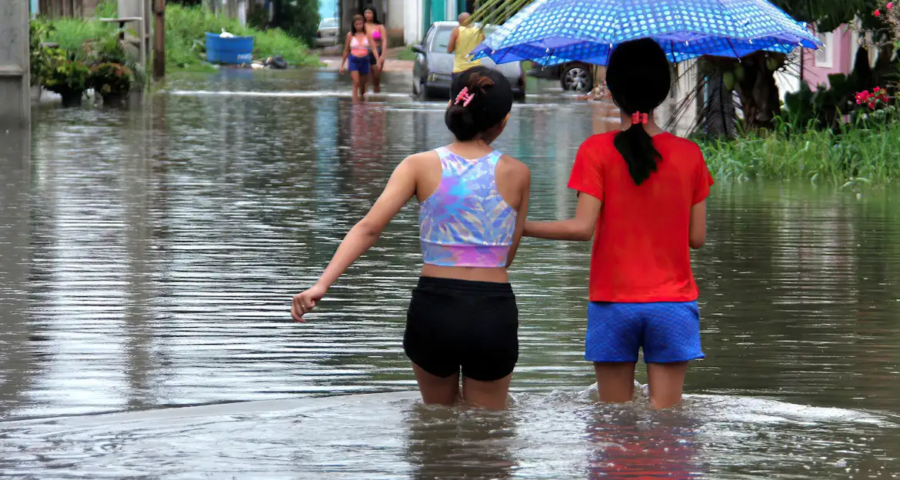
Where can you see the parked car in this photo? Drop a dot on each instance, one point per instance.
(327, 34)
(572, 76)
(433, 65)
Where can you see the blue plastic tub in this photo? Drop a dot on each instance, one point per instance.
(235, 50)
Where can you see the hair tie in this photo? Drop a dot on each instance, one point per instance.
(464, 97)
(639, 118)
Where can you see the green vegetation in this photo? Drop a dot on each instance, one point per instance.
(186, 29)
(847, 157)
(74, 34)
(406, 54)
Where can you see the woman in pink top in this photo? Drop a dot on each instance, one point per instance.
(379, 35)
(356, 51)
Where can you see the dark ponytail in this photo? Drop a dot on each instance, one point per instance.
(636, 147)
(486, 102)
(639, 80)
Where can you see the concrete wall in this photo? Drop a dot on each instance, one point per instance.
(413, 22)
(15, 78)
(395, 17)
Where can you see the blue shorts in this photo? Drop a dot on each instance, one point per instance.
(359, 64)
(668, 332)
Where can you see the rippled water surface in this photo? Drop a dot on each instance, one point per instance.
(147, 260)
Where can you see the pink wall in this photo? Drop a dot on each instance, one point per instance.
(841, 49)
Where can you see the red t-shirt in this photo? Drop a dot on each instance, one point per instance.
(641, 252)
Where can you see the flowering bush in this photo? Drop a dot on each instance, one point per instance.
(875, 99)
(67, 77)
(111, 79)
(891, 16)
(876, 108)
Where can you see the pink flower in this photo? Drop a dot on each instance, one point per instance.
(890, 6)
(877, 89)
(877, 13)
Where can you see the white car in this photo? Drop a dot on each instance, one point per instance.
(433, 65)
(327, 34)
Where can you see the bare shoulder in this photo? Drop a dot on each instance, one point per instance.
(418, 161)
(421, 158)
(510, 167)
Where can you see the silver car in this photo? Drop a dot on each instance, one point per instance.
(433, 65)
(327, 35)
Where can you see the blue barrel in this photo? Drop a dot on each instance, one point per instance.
(233, 50)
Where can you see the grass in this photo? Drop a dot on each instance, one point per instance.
(855, 156)
(406, 54)
(72, 34)
(186, 27)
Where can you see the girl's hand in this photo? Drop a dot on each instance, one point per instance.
(305, 302)
(341, 70)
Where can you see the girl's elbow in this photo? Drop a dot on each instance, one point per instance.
(368, 230)
(697, 243)
(584, 234)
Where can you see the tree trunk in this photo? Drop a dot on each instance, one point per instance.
(760, 100)
(159, 39)
(719, 118)
(884, 70)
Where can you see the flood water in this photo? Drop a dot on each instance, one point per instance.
(148, 258)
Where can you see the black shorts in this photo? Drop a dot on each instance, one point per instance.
(372, 60)
(453, 324)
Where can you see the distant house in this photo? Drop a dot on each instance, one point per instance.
(422, 13)
(406, 19)
(836, 56)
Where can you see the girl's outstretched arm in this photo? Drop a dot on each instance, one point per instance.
(580, 228)
(400, 188)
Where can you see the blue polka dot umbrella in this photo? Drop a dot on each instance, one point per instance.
(551, 32)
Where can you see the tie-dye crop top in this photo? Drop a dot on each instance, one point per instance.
(465, 222)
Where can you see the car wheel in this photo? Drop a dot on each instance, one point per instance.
(424, 91)
(576, 77)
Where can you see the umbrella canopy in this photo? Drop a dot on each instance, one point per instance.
(549, 32)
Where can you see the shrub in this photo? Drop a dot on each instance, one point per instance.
(111, 79)
(186, 29)
(67, 76)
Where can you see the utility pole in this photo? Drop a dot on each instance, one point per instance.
(159, 39)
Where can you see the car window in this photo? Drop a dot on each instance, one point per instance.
(441, 40)
(328, 23)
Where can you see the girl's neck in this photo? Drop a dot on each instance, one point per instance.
(651, 127)
(471, 149)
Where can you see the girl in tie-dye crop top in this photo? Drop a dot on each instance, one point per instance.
(462, 323)
(466, 222)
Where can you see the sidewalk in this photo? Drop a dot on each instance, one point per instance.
(332, 60)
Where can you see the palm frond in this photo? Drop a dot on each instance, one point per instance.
(497, 12)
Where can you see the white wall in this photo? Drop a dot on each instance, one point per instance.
(412, 22)
(395, 14)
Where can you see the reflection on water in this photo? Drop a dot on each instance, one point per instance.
(562, 435)
(147, 259)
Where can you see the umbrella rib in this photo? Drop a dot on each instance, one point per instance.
(728, 41)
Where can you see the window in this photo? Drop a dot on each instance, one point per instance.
(441, 39)
(825, 54)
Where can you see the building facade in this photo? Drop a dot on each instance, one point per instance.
(405, 19)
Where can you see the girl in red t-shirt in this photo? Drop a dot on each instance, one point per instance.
(643, 191)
